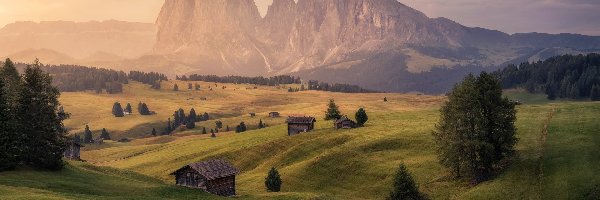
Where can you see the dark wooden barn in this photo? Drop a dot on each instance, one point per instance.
(73, 151)
(298, 125)
(344, 122)
(213, 176)
(274, 114)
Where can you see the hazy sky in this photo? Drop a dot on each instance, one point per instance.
(552, 16)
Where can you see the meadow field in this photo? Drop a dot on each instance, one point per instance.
(558, 154)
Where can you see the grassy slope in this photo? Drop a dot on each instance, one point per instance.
(84, 181)
(344, 164)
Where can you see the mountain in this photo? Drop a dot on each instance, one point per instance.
(46, 56)
(79, 39)
(377, 44)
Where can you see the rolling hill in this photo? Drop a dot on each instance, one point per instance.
(557, 150)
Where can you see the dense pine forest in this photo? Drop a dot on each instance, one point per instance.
(568, 76)
(75, 78)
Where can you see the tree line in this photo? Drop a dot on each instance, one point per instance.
(270, 81)
(336, 87)
(568, 76)
(31, 127)
(151, 78)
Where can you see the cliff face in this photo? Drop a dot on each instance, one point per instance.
(292, 36)
(372, 41)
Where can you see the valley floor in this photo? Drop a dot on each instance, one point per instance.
(558, 154)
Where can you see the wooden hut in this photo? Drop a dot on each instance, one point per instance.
(344, 122)
(213, 176)
(252, 114)
(274, 114)
(73, 151)
(298, 125)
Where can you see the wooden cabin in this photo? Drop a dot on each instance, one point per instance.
(73, 151)
(213, 176)
(252, 114)
(298, 125)
(274, 114)
(344, 123)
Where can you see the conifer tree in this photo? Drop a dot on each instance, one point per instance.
(87, 135)
(44, 133)
(169, 127)
(204, 130)
(9, 145)
(595, 93)
(404, 186)
(273, 181)
(384, 99)
(190, 125)
(175, 87)
(128, 108)
(227, 129)
(153, 132)
(219, 124)
(260, 124)
(333, 112)
(105, 135)
(117, 110)
(12, 82)
(476, 128)
(192, 117)
(361, 117)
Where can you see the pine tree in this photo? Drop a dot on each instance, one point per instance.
(361, 117)
(404, 186)
(117, 110)
(153, 132)
(476, 128)
(175, 87)
(332, 111)
(87, 135)
(192, 116)
(204, 130)
(273, 181)
(384, 99)
(169, 127)
(9, 139)
(190, 125)
(105, 135)
(12, 82)
(227, 129)
(219, 124)
(43, 131)
(128, 108)
(260, 124)
(595, 93)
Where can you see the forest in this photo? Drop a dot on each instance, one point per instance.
(567, 77)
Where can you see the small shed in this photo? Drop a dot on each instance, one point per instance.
(213, 176)
(344, 123)
(252, 114)
(298, 125)
(274, 114)
(73, 151)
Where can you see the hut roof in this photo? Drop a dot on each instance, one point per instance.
(300, 120)
(213, 169)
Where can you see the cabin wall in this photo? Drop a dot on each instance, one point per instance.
(190, 178)
(222, 186)
(294, 129)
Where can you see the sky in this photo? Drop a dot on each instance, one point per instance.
(511, 16)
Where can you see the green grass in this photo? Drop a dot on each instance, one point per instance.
(326, 163)
(84, 181)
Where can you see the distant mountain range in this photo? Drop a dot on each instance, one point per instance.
(377, 44)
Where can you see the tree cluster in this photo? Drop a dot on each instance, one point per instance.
(32, 132)
(151, 78)
(476, 128)
(240, 128)
(270, 81)
(568, 76)
(181, 120)
(337, 87)
(143, 109)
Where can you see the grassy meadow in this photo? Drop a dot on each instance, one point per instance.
(558, 154)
